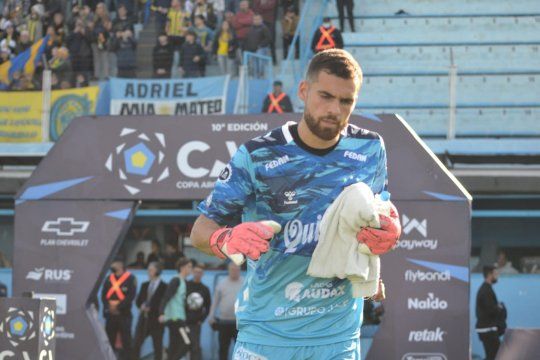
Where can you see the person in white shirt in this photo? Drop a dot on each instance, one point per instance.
(503, 265)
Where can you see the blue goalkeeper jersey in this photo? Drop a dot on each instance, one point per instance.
(277, 177)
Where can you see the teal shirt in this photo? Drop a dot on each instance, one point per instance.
(176, 308)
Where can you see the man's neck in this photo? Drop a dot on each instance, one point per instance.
(311, 139)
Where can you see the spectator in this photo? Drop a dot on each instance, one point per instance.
(124, 45)
(139, 261)
(60, 28)
(258, 38)
(155, 253)
(117, 295)
(289, 23)
(326, 37)
(176, 28)
(219, 9)
(223, 303)
(9, 41)
(65, 84)
(60, 64)
(81, 80)
(161, 10)
(488, 312)
(128, 5)
(198, 306)
(171, 256)
(277, 101)
(192, 57)
(162, 60)
(34, 23)
(225, 48)
(148, 301)
(173, 312)
(242, 22)
(100, 47)
(80, 48)
(205, 35)
(349, 4)
(23, 43)
(503, 265)
(122, 21)
(268, 10)
(205, 10)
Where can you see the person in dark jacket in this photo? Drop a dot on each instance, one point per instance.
(258, 38)
(341, 5)
(277, 101)
(149, 301)
(173, 312)
(124, 45)
(117, 295)
(198, 306)
(327, 36)
(80, 47)
(162, 58)
(488, 310)
(123, 21)
(192, 57)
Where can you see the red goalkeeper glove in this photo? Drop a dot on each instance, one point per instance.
(381, 241)
(249, 239)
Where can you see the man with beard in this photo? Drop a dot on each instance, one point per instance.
(287, 179)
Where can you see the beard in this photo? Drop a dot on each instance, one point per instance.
(319, 130)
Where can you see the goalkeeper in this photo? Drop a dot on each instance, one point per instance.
(267, 205)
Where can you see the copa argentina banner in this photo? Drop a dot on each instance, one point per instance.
(195, 96)
(21, 112)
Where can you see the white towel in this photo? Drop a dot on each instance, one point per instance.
(338, 253)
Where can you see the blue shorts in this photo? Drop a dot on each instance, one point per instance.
(346, 350)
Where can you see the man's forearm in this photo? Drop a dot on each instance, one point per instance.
(201, 232)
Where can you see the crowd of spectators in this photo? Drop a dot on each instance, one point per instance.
(90, 40)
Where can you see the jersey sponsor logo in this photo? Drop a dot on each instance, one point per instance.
(355, 156)
(429, 303)
(296, 292)
(297, 233)
(276, 162)
(421, 276)
(297, 311)
(244, 354)
(427, 335)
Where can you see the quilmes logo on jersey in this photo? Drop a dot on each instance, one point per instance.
(65, 226)
(295, 291)
(430, 303)
(413, 227)
(49, 275)
(297, 234)
(138, 160)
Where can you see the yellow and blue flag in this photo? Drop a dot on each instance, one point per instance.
(25, 62)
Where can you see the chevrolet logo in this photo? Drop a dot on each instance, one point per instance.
(65, 226)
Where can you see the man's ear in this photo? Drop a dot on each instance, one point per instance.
(302, 90)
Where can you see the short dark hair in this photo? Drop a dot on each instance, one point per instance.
(199, 265)
(183, 261)
(336, 62)
(488, 269)
(157, 265)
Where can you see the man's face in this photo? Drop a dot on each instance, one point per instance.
(198, 273)
(257, 20)
(244, 6)
(162, 41)
(501, 260)
(190, 39)
(122, 12)
(186, 269)
(277, 89)
(494, 276)
(329, 101)
(152, 271)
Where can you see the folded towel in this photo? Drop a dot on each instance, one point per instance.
(338, 253)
